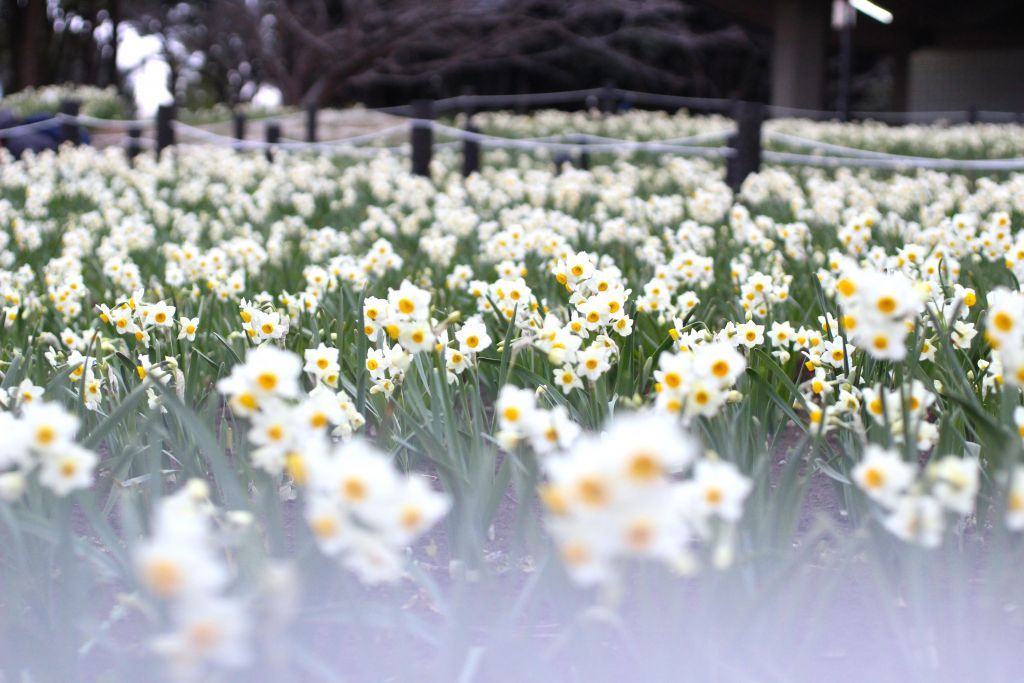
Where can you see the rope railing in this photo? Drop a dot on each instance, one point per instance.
(895, 162)
(841, 150)
(740, 146)
(347, 145)
(678, 101)
(610, 95)
(96, 122)
(26, 128)
(582, 143)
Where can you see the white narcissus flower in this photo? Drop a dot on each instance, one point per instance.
(883, 474)
(567, 379)
(15, 447)
(514, 408)
(455, 360)
(210, 630)
(26, 392)
(67, 469)
(187, 328)
(721, 488)
(473, 337)
(175, 567)
(416, 336)
(49, 426)
(414, 508)
(552, 430)
(321, 361)
(955, 482)
(1015, 500)
(917, 519)
(267, 373)
(593, 362)
(12, 485)
(750, 334)
(1018, 419)
(159, 314)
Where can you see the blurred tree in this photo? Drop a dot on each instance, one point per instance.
(207, 46)
(53, 41)
(383, 51)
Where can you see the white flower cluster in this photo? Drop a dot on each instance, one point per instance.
(182, 565)
(403, 317)
(916, 505)
(287, 422)
(136, 318)
(40, 437)
(697, 382)
(879, 311)
(1004, 330)
(362, 510)
(620, 495)
(521, 419)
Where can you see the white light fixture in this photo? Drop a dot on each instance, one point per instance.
(869, 8)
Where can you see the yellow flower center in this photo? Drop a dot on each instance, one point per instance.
(45, 435)
(644, 467)
(164, 577)
(1002, 321)
(592, 491)
(354, 489)
(873, 478)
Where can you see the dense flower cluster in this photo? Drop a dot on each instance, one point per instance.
(621, 495)
(40, 437)
(915, 505)
(181, 564)
(351, 352)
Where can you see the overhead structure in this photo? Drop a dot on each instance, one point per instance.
(940, 54)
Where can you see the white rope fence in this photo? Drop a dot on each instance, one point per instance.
(897, 163)
(583, 143)
(809, 143)
(709, 144)
(26, 129)
(843, 156)
(346, 145)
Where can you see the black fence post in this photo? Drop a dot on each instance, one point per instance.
(164, 127)
(311, 116)
(273, 137)
(467, 100)
(972, 114)
(746, 144)
(561, 159)
(522, 106)
(607, 99)
(70, 131)
(422, 136)
(470, 151)
(240, 129)
(134, 142)
(583, 161)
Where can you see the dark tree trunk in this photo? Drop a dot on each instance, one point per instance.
(27, 22)
(113, 76)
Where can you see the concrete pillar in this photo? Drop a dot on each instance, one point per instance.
(798, 55)
(900, 97)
